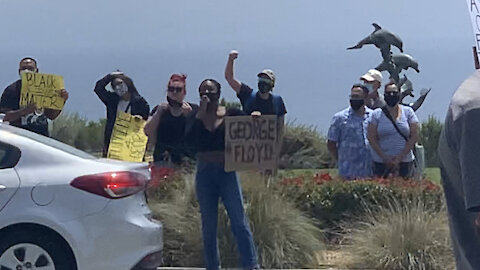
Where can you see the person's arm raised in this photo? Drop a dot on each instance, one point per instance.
(153, 121)
(229, 73)
(100, 90)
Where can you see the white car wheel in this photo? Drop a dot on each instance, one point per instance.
(26, 256)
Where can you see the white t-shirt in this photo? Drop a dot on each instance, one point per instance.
(124, 106)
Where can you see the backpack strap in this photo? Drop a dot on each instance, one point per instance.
(387, 113)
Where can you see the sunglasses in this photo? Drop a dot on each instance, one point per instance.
(174, 89)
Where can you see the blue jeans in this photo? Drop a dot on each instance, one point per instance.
(212, 183)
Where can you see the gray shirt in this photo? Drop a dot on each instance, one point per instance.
(390, 141)
(459, 150)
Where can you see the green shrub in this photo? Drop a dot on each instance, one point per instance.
(303, 148)
(429, 136)
(330, 201)
(77, 131)
(285, 237)
(400, 236)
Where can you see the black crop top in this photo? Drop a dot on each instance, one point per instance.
(200, 139)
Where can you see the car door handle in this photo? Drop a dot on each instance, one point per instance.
(2, 187)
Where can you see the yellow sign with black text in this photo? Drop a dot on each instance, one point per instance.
(128, 141)
(43, 90)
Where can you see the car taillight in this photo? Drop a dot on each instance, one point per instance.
(111, 185)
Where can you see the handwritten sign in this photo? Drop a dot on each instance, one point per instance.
(250, 142)
(43, 90)
(474, 10)
(128, 141)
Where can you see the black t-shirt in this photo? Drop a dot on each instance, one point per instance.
(10, 101)
(171, 134)
(251, 101)
(199, 139)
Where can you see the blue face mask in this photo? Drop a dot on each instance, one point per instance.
(369, 86)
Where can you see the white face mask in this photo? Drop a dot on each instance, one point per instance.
(121, 89)
(25, 71)
(369, 86)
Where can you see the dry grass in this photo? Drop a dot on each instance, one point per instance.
(403, 236)
(285, 237)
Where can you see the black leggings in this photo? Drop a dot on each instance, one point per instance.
(380, 170)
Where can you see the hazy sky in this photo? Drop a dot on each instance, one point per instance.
(303, 41)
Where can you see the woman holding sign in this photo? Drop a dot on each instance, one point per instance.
(207, 139)
(124, 97)
(167, 126)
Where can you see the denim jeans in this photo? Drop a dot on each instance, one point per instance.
(212, 183)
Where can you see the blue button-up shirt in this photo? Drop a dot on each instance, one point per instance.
(349, 131)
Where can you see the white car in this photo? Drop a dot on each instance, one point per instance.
(63, 209)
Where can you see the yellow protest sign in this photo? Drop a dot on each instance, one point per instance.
(42, 89)
(128, 141)
(251, 143)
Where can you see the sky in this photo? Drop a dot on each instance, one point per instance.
(303, 41)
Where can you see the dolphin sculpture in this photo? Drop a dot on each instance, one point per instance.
(406, 87)
(398, 63)
(417, 103)
(382, 39)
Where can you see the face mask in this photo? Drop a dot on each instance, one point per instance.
(173, 103)
(121, 89)
(26, 71)
(392, 100)
(356, 104)
(369, 86)
(264, 87)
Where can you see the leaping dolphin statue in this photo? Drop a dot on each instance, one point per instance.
(398, 63)
(382, 39)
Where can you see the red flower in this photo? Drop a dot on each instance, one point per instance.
(321, 178)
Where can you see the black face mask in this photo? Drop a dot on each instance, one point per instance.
(356, 104)
(174, 103)
(392, 100)
(264, 87)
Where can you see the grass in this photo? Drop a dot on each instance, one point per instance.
(401, 236)
(285, 236)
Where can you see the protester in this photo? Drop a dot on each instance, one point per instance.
(373, 81)
(391, 143)
(261, 102)
(125, 98)
(459, 147)
(167, 126)
(347, 137)
(207, 139)
(29, 117)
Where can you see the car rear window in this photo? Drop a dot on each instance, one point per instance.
(9, 156)
(46, 140)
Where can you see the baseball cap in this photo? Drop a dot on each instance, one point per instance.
(269, 73)
(373, 75)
